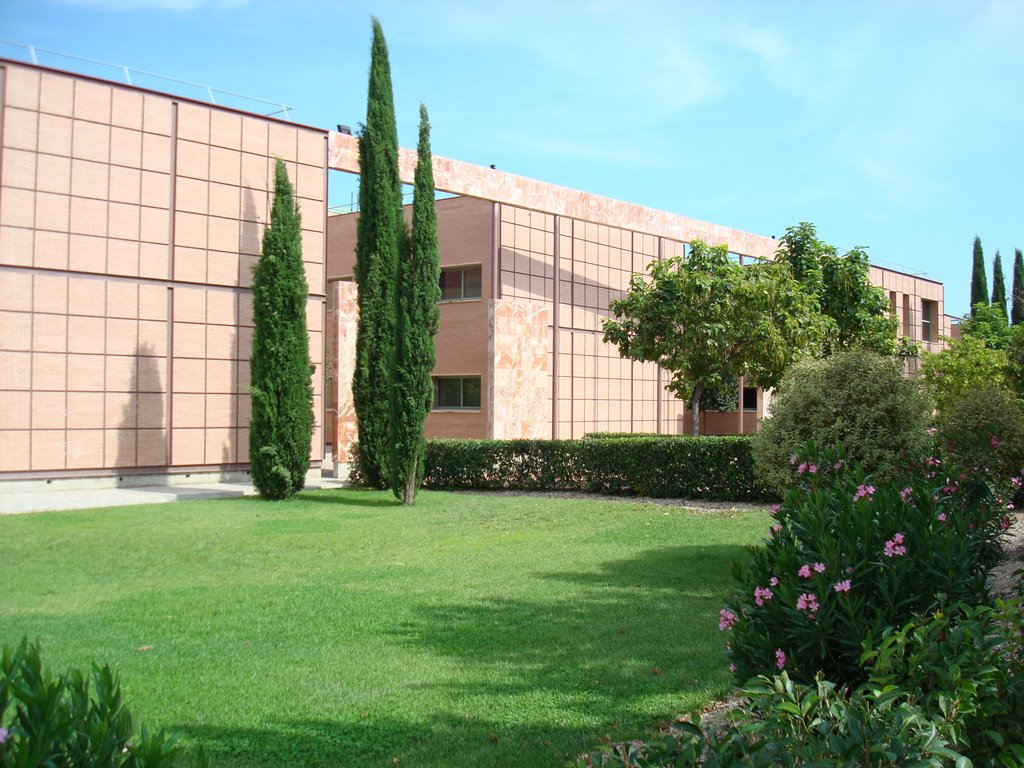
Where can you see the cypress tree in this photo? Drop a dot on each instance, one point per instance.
(998, 284)
(379, 232)
(979, 284)
(281, 426)
(417, 317)
(1017, 299)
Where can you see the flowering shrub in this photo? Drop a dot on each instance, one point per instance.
(75, 719)
(847, 557)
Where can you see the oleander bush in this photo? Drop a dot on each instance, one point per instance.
(848, 556)
(856, 401)
(73, 720)
(716, 468)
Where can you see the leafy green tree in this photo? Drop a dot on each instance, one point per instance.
(1017, 298)
(708, 321)
(999, 285)
(857, 312)
(979, 283)
(988, 323)
(281, 427)
(965, 365)
(418, 316)
(379, 234)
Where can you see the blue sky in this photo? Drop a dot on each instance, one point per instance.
(894, 125)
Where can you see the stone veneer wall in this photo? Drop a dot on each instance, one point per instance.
(520, 350)
(129, 225)
(342, 322)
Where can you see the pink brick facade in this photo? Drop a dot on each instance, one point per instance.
(129, 225)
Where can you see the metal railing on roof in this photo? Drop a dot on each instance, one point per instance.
(207, 92)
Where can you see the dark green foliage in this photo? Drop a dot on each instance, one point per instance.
(856, 400)
(78, 719)
(857, 312)
(849, 556)
(983, 429)
(418, 317)
(979, 282)
(380, 233)
(999, 285)
(966, 665)
(281, 428)
(1017, 298)
(718, 468)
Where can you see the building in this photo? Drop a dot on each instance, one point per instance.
(129, 223)
(528, 272)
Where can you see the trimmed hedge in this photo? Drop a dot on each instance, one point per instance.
(713, 468)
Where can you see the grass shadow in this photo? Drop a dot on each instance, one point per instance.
(345, 500)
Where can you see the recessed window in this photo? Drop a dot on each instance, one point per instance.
(750, 398)
(929, 315)
(456, 392)
(460, 283)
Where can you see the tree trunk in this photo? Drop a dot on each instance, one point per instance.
(698, 391)
(410, 484)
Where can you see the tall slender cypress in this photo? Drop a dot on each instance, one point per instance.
(1017, 298)
(998, 284)
(418, 317)
(979, 283)
(379, 233)
(281, 426)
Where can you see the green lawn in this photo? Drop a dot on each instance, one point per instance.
(339, 629)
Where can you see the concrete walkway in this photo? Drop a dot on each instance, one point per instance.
(44, 499)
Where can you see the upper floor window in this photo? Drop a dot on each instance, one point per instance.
(460, 283)
(929, 316)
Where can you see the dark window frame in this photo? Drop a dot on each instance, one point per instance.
(462, 282)
(462, 396)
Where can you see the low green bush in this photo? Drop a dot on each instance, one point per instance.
(78, 719)
(858, 401)
(944, 690)
(848, 556)
(717, 468)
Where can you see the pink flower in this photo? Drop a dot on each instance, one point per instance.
(1016, 482)
(949, 489)
(931, 430)
(812, 469)
(894, 546)
(1004, 524)
(776, 528)
(774, 510)
(732, 667)
(794, 459)
(994, 442)
(1010, 505)
(773, 581)
(842, 586)
(802, 468)
(761, 595)
(819, 567)
(726, 619)
(838, 465)
(941, 517)
(863, 491)
(4, 734)
(804, 572)
(780, 658)
(807, 601)
(905, 493)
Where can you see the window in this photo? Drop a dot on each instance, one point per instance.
(456, 392)
(928, 317)
(750, 398)
(460, 283)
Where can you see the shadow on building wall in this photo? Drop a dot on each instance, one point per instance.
(142, 434)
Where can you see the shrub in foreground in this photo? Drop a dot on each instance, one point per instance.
(718, 468)
(848, 557)
(75, 719)
(857, 401)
